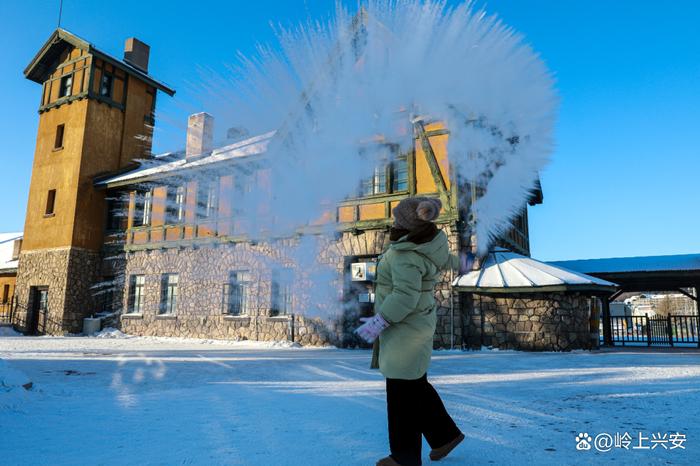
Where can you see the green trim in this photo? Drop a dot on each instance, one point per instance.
(105, 100)
(380, 224)
(373, 199)
(63, 100)
(437, 132)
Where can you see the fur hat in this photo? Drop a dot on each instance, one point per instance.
(414, 212)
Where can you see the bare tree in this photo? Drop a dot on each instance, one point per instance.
(664, 306)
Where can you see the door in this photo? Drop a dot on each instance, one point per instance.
(39, 307)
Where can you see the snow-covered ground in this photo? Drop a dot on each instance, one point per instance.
(175, 401)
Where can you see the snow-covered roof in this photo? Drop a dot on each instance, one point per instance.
(7, 246)
(164, 164)
(634, 264)
(505, 271)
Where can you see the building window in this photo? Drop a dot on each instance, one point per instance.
(5, 293)
(176, 205)
(236, 293)
(58, 142)
(106, 85)
(168, 293)
(376, 184)
(147, 206)
(66, 86)
(143, 208)
(391, 176)
(136, 293)
(399, 174)
(207, 199)
(50, 202)
(281, 292)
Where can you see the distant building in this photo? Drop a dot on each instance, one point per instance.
(10, 245)
(653, 304)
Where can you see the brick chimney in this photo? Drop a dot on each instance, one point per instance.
(200, 134)
(136, 53)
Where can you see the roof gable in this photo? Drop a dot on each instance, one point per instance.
(43, 62)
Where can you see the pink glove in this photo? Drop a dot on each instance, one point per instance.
(371, 328)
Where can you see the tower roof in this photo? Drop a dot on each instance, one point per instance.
(41, 64)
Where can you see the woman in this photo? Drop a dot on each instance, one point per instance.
(404, 321)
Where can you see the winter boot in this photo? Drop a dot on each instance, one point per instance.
(388, 461)
(439, 453)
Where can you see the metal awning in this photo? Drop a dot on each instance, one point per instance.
(505, 271)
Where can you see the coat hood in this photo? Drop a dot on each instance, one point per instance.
(436, 249)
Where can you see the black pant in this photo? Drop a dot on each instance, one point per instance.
(414, 408)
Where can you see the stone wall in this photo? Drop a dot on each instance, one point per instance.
(538, 321)
(321, 315)
(68, 273)
(202, 278)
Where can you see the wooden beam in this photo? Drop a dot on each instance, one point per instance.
(432, 161)
(685, 293)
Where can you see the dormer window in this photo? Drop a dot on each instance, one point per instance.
(106, 85)
(66, 86)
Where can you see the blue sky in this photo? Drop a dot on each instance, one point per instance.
(623, 180)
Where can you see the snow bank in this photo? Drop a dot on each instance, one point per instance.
(111, 332)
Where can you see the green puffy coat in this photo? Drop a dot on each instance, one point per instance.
(405, 297)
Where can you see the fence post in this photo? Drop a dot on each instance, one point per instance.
(607, 324)
(669, 329)
(648, 324)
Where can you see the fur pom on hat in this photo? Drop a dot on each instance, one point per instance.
(414, 212)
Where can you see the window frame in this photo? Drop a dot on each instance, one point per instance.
(208, 200)
(169, 293)
(389, 178)
(65, 87)
(59, 137)
(137, 282)
(281, 294)
(239, 288)
(50, 209)
(143, 208)
(110, 83)
(175, 205)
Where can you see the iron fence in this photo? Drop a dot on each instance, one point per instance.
(668, 330)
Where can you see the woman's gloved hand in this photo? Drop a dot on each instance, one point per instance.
(371, 328)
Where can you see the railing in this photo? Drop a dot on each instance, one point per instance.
(7, 311)
(670, 330)
(15, 314)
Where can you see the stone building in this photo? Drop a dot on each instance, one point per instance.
(10, 245)
(158, 247)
